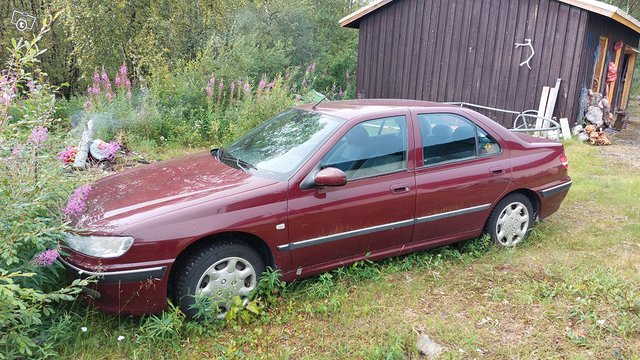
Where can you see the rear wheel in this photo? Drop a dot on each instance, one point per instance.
(511, 220)
(211, 276)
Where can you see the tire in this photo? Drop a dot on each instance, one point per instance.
(216, 273)
(511, 220)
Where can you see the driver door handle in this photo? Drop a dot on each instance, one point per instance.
(399, 189)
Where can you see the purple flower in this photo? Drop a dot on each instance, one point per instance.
(104, 77)
(261, 86)
(67, 155)
(221, 85)
(212, 81)
(311, 68)
(123, 70)
(127, 83)
(129, 93)
(31, 85)
(17, 150)
(38, 136)
(246, 87)
(111, 150)
(232, 87)
(76, 204)
(93, 90)
(96, 77)
(118, 81)
(46, 258)
(209, 91)
(271, 85)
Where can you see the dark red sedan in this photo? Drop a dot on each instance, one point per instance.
(310, 190)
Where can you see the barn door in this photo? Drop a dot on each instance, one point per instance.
(628, 66)
(596, 83)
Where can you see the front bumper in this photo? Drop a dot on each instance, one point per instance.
(133, 292)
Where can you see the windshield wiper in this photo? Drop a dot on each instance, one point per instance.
(241, 164)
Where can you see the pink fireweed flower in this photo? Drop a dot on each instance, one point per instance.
(118, 81)
(31, 85)
(261, 86)
(209, 91)
(96, 77)
(111, 150)
(38, 136)
(212, 81)
(93, 90)
(311, 68)
(127, 84)
(246, 87)
(104, 77)
(46, 258)
(17, 150)
(232, 87)
(123, 70)
(221, 85)
(77, 201)
(129, 93)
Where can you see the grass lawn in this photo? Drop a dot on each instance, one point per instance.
(571, 291)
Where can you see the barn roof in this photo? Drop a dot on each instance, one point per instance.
(598, 7)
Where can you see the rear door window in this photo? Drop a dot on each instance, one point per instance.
(450, 137)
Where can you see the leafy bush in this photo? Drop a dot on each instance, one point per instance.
(30, 218)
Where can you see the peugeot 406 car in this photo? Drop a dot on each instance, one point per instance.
(312, 189)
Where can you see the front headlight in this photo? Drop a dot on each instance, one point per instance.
(99, 246)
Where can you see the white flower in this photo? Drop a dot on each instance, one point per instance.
(84, 329)
(120, 338)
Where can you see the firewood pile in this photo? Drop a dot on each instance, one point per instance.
(597, 119)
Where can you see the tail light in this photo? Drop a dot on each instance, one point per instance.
(564, 160)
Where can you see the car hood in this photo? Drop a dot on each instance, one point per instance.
(131, 196)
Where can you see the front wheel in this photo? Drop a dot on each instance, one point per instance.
(213, 275)
(511, 220)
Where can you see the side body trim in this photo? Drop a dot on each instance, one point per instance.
(377, 228)
(556, 189)
(453, 213)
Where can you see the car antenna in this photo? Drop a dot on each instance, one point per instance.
(318, 103)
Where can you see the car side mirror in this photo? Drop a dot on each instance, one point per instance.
(331, 177)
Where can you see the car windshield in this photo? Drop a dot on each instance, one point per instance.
(278, 147)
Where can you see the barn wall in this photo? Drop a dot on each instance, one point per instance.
(598, 26)
(463, 50)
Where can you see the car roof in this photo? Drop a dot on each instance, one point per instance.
(349, 109)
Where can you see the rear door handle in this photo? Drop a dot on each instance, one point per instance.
(497, 170)
(399, 189)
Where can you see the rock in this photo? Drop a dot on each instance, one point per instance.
(594, 115)
(428, 347)
(583, 137)
(577, 130)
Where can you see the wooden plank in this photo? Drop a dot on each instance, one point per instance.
(472, 54)
(515, 72)
(626, 92)
(463, 51)
(482, 40)
(490, 55)
(430, 57)
(455, 53)
(566, 130)
(544, 98)
(569, 51)
(414, 22)
(392, 59)
(424, 49)
(404, 55)
(439, 46)
(551, 105)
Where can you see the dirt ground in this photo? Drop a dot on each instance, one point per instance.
(625, 145)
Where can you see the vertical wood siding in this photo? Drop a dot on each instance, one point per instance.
(464, 50)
